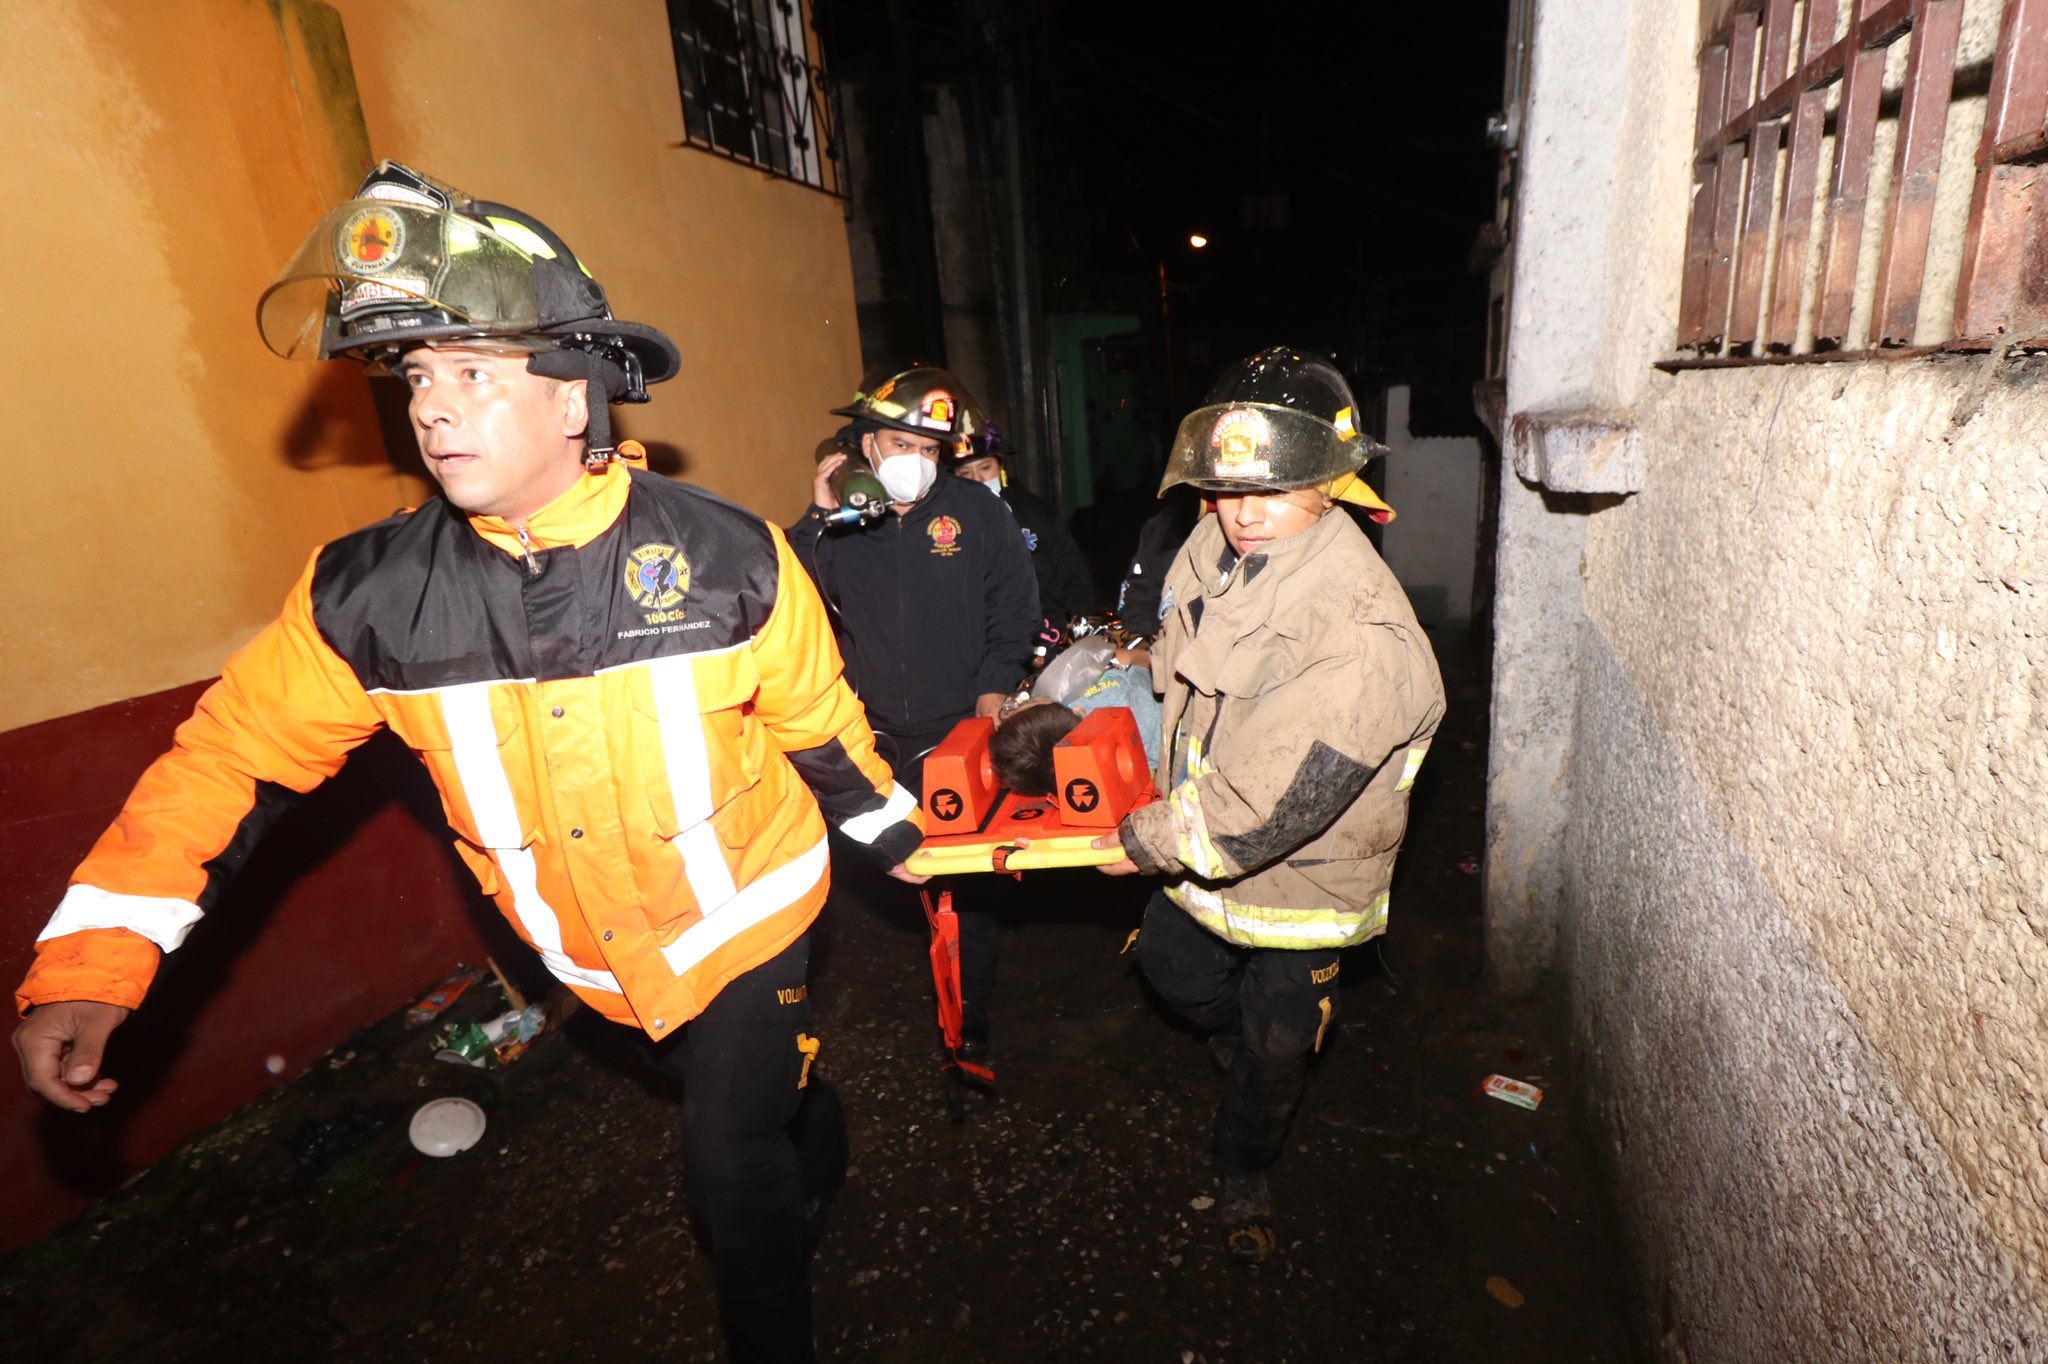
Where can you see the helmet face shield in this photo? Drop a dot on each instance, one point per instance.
(1244, 446)
(375, 270)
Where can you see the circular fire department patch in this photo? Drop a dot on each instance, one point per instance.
(657, 576)
(1241, 437)
(944, 530)
(370, 239)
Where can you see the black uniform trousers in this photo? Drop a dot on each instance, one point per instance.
(764, 1143)
(905, 755)
(1268, 1005)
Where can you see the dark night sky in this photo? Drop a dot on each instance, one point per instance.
(1357, 130)
(1333, 151)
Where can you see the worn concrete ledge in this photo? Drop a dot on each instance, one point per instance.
(1576, 452)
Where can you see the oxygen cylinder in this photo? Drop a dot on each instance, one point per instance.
(859, 491)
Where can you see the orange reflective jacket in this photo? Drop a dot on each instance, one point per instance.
(634, 713)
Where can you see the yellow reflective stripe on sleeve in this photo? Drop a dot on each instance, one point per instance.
(1416, 753)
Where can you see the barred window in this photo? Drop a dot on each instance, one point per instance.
(1867, 177)
(754, 87)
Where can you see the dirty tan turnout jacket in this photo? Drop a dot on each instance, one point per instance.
(1300, 697)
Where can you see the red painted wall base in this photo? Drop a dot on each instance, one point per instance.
(351, 907)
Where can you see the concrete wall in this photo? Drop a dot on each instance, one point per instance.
(1807, 858)
(1433, 485)
(1598, 241)
(1771, 770)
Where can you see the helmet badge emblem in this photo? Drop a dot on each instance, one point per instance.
(1241, 437)
(371, 238)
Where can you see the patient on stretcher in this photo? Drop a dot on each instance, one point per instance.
(1087, 677)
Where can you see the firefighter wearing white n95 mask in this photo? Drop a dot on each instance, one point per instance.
(936, 602)
(905, 424)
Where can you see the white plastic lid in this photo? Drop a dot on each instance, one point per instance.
(444, 1126)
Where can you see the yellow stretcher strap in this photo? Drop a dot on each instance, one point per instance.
(1071, 850)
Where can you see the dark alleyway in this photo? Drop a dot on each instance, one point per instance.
(1059, 1220)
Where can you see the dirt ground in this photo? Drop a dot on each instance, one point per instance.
(1064, 1216)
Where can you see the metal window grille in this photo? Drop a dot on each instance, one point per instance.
(754, 88)
(1776, 262)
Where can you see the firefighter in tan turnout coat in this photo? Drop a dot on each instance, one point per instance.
(1300, 697)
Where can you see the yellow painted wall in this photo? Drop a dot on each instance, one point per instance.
(167, 475)
(568, 112)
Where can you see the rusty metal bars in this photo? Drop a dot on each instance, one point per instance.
(1753, 112)
(2001, 288)
(1848, 186)
(1764, 142)
(1808, 121)
(1909, 214)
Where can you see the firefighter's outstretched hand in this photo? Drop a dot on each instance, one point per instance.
(61, 1046)
(989, 704)
(1123, 868)
(900, 874)
(821, 484)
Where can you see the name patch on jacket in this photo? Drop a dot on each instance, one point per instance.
(945, 533)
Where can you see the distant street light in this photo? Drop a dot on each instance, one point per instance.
(1197, 240)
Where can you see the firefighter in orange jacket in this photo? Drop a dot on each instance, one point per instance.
(626, 690)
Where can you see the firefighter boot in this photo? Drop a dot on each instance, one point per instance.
(1247, 1211)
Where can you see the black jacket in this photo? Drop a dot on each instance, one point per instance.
(933, 607)
(1159, 539)
(1065, 589)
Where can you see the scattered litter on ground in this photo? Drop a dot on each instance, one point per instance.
(495, 1042)
(512, 995)
(1507, 1294)
(1202, 1204)
(444, 1127)
(1517, 1092)
(441, 996)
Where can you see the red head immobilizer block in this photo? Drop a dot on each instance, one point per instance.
(960, 780)
(1100, 768)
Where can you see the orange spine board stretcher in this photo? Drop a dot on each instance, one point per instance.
(974, 824)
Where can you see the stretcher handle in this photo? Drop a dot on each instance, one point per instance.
(1042, 854)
